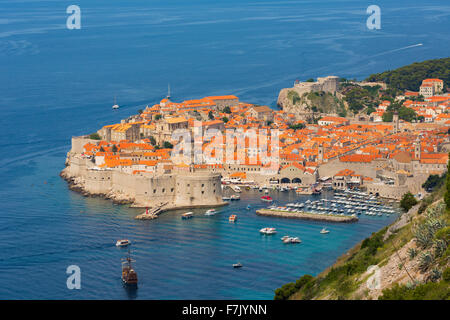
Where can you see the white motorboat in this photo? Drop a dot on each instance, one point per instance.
(123, 243)
(268, 231)
(210, 212)
(324, 231)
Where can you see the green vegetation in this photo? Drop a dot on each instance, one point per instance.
(158, 116)
(225, 119)
(114, 148)
(293, 96)
(167, 145)
(297, 126)
(410, 77)
(426, 291)
(359, 98)
(95, 136)
(434, 181)
(227, 110)
(210, 115)
(408, 201)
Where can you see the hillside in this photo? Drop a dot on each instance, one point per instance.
(412, 257)
(410, 77)
(321, 102)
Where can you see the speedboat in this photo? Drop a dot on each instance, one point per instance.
(266, 198)
(268, 231)
(235, 197)
(237, 265)
(232, 218)
(187, 215)
(248, 207)
(123, 243)
(324, 231)
(210, 212)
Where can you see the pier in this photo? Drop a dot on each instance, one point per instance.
(306, 215)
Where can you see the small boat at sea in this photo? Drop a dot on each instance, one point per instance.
(248, 207)
(237, 265)
(210, 212)
(115, 106)
(324, 231)
(292, 240)
(123, 243)
(268, 231)
(232, 218)
(226, 198)
(266, 198)
(187, 215)
(266, 191)
(235, 197)
(129, 275)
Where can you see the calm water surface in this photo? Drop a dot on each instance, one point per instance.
(55, 83)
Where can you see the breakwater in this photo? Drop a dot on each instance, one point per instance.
(306, 215)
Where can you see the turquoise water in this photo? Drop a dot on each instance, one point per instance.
(55, 83)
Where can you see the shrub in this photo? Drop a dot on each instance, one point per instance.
(412, 252)
(425, 261)
(95, 136)
(408, 201)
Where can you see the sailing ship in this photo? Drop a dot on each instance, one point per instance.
(129, 276)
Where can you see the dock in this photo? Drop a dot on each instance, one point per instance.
(306, 215)
(152, 214)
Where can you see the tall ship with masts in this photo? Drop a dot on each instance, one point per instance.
(129, 275)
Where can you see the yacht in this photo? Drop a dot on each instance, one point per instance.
(237, 265)
(210, 212)
(268, 231)
(123, 243)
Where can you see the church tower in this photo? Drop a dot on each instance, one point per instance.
(320, 157)
(417, 149)
(395, 121)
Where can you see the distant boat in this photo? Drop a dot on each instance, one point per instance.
(324, 231)
(235, 197)
(115, 106)
(232, 218)
(248, 207)
(226, 198)
(187, 215)
(123, 243)
(237, 265)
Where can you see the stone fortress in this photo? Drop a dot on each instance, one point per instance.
(326, 84)
(187, 188)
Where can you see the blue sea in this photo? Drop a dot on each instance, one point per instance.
(56, 83)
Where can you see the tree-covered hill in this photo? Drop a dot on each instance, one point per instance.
(410, 77)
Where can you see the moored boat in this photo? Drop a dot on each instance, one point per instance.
(232, 218)
(187, 215)
(266, 198)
